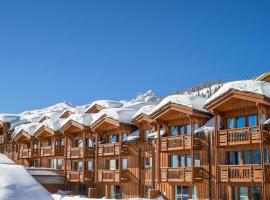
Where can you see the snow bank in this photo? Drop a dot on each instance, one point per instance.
(195, 102)
(251, 86)
(17, 184)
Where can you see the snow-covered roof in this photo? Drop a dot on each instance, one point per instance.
(123, 115)
(106, 104)
(84, 119)
(154, 134)
(29, 128)
(192, 101)
(53, 124)
(16, 183)
(147, 110)
(250, 86)
(132, 136)
(9, 118)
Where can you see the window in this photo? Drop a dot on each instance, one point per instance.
(197, 159)
(174, 131)
(148, 163)
(194, 192)
(188, 129)
(124, 136)
(252, 120)
(90, 165)
(181, 192)
(266, 156)
(113, 164)
(188, 160)
(231, 123)
(243, 193)
(182, 161)
(233, 158)
(90, 142)
(196, 127)
(256, 193)
(125, 163)
(146, 191)
(146, 133)
(182, 130)
(174, 161)
(241, 122)
(78, 165)
(113, 138)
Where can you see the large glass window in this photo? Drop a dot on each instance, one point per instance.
(241, 122)
(174, 131)
(233, 158)
(243, 193)
(174, 161)
(113, 164)
(182, 130)
(266, 156)
(231, 123)
(256, 193)
(252, 120)
(90, 165)
(182, 161)
(188, 160)
(113, 138)
(125, 163)
(188, 129)
(197, 159)
(181, 192)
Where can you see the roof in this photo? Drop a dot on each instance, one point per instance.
(190, 101)
(249, 86)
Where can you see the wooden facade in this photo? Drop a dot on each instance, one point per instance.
(170, 157)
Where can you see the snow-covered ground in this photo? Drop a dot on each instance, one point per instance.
(17, 184)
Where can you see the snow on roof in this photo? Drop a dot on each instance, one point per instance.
(154, 134)
(29, 128)
(132, 136)
(192, 101)
(148, 109)
(123, 115)
(250, 86)
(106, 104)
(53, 124)
(84, 119)
(17, 184)
(41, 171)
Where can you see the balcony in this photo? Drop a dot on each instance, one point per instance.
(109, 149)
(243, 173)
(241, 136)
(181, 174)
(80, 176)
(4, 138)
(146, 176)
(172, 143)
(112, 176)
(80, 152)
(28, 153)
(52, 151)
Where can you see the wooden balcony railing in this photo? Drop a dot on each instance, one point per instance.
(80, 176)
(28, 153)
(181, 174)
(176, 142)
(75, 152)
(240, 136)
(4, 138)
(52, 151)
(146, 175)
(108, 149)
(242, 173)
(112, 176)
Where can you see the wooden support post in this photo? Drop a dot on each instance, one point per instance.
(158, 152)
(260, 114)
(120, 164)
(192, 146)
(84, 155)
(216, 154)
(96, 158)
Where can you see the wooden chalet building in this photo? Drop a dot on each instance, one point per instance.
(78, 156)
(241, 144)
(183, 147)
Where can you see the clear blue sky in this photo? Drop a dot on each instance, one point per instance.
(78, 51)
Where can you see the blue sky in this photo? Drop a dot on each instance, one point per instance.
(78, 51)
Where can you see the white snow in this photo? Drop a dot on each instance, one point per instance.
(195, 102)
(106, 104)
(29, 128)
(145, 110)
(17, 184)
(154, 134)
(250, 86)
(84, 119)
(133, 136)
